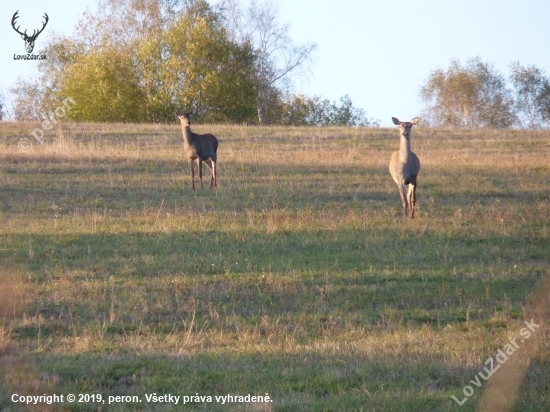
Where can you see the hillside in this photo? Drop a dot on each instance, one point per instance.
(297, 278)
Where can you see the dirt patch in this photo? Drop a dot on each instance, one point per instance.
(503, 387)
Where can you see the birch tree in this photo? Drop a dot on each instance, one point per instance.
(473, 95)
(532, 95)
(276, 57)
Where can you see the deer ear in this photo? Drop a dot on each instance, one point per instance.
(396, 121)
(178, 112)
(414, 121)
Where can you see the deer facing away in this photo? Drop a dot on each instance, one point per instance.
(404, 167)
(199, 147)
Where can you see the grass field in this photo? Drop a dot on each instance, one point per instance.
(297, 278)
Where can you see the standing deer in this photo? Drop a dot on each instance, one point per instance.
(200, 147)
(404, 167)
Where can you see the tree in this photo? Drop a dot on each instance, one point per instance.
(474, 95)
(532, 95)
(138, 60)
(124, 23)
(299, 110)
(194, 63)
(347, 115)
(545, 105)
(3, 113)
(28, 99)
(35, 98)
(105, 86)
(276, 58)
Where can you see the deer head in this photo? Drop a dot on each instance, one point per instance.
(405, 127)
(185, 117)
(29, 40)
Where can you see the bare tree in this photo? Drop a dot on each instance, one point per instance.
(3, 113)
(532, 95)
(27, 104)
(276, 56)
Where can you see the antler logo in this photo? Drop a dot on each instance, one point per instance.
(29, 40)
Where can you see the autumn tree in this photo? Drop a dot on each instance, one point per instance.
(194, 64)
(105, 86)
(474, 95)
(123, 24)
(137, 60)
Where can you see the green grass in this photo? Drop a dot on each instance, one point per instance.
(298, 277)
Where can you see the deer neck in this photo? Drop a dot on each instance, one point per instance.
(188, 135)
(404, 150)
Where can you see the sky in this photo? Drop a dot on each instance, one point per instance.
(380, 53)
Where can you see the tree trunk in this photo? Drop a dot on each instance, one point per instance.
(259, 106)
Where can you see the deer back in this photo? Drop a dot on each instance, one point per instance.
(209, 145)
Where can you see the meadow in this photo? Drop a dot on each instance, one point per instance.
(297, 278)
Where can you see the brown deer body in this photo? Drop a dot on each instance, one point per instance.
(404, 167)
(199, 147)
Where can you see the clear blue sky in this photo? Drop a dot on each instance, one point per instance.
(379, 53)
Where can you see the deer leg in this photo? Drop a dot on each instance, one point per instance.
(414, 195)
(208, 163)
(411, 199)
(215, 169)
(200, 170)
(402, 192)
(214, 182)
(212, 165)
(192, 167)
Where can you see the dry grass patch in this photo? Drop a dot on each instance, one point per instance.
(297, 277)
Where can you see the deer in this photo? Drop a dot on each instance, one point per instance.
(29, 40)
(199, 147)
(404, 167)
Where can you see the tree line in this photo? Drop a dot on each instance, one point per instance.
(475, 94)
(137, 61)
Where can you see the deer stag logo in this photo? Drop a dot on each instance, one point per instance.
(29, 40)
